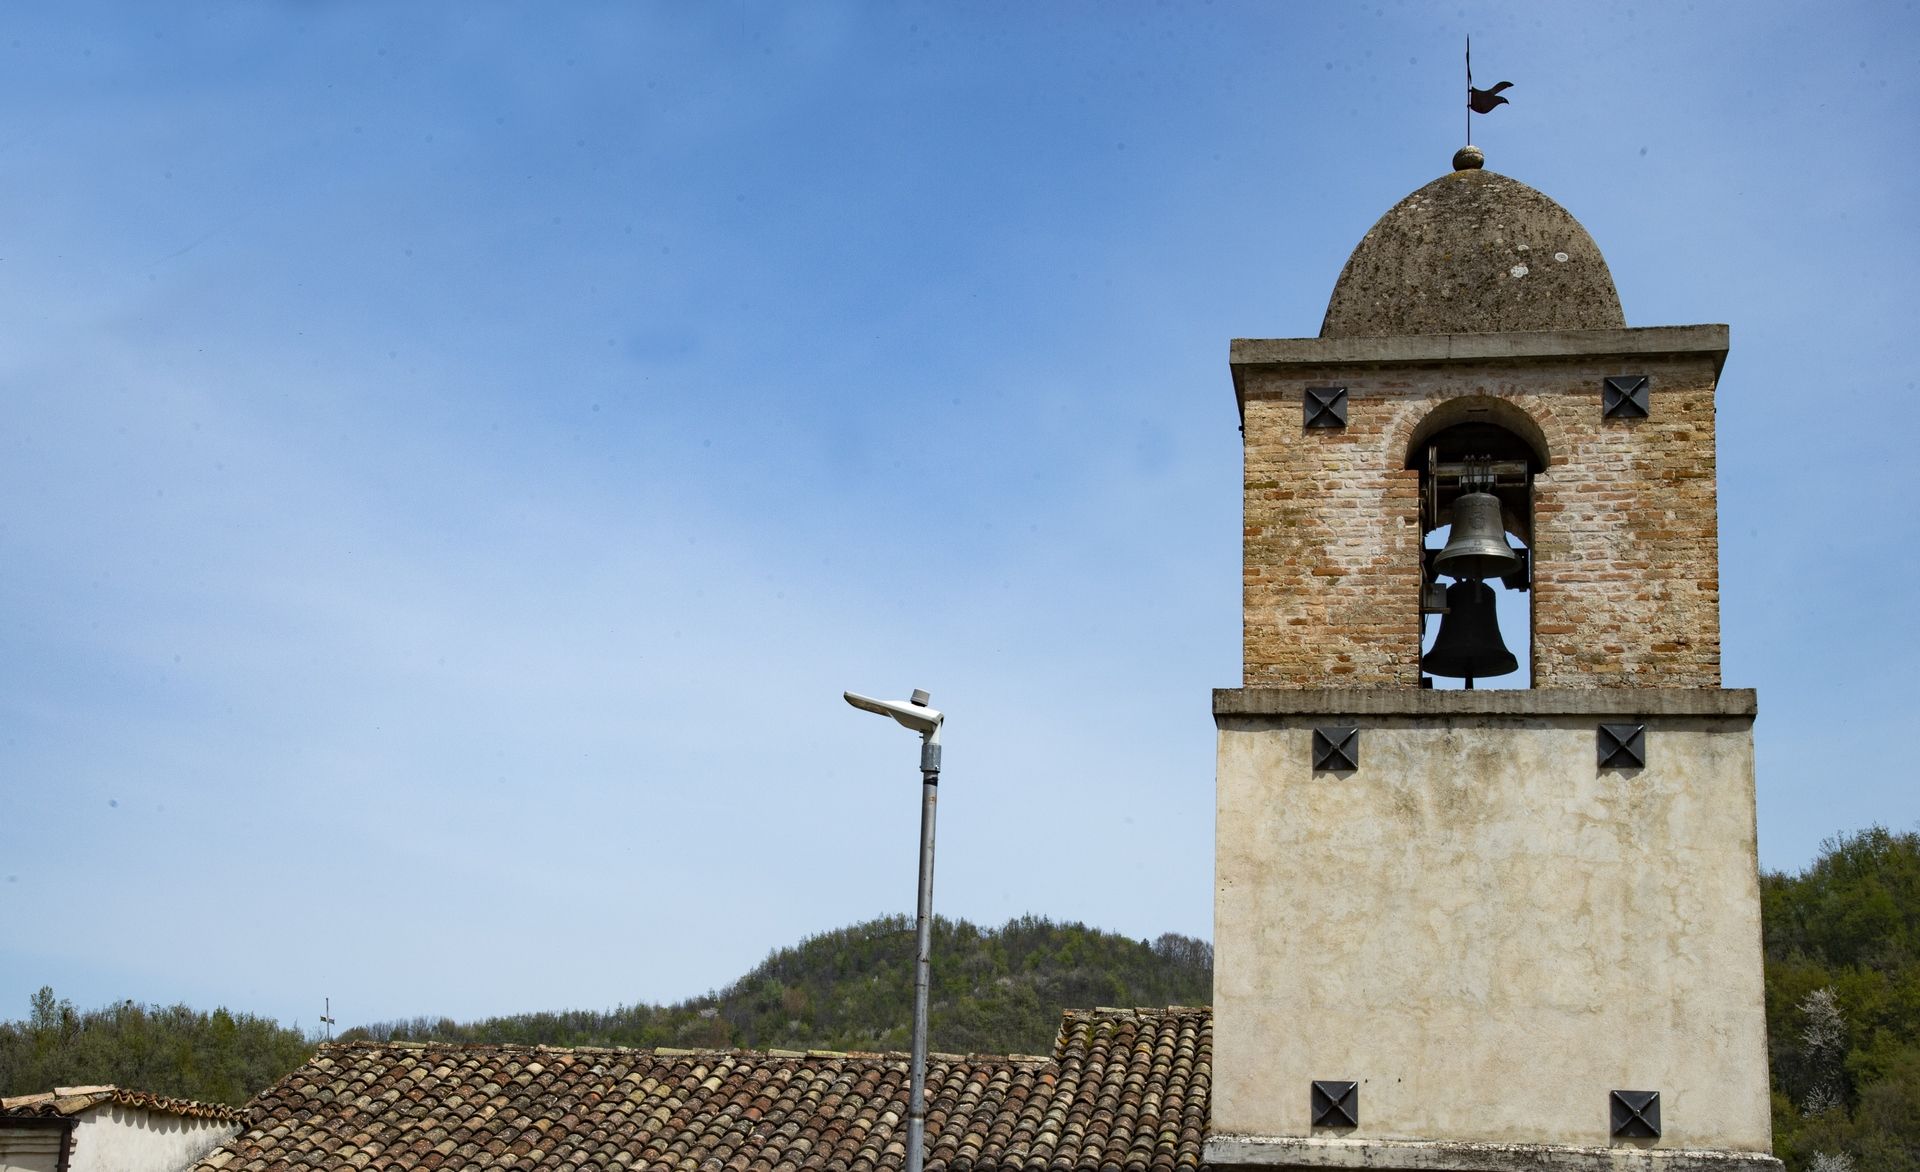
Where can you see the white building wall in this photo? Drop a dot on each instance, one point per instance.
(1487, 931)
(113, 1138)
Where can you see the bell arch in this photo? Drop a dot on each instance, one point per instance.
(1490, 409)
(1476, 456)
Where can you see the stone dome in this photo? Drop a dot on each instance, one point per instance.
(1473, 252)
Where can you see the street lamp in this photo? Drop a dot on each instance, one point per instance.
(915, 715)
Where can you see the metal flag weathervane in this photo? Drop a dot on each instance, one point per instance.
(1480, 101)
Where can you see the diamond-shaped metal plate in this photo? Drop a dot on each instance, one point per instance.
(1636, 1114)
(1326, 406)
(1336, 1103)
(1624, 396)
(1335, 749)
(1623, 746)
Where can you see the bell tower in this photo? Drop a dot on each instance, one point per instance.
(1484, 927)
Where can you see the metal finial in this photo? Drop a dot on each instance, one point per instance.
(1469, 158)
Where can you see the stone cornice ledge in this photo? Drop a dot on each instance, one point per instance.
(1717, 702)
(1424, 348)
(1391, 1155)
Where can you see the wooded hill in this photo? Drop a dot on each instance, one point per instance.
(216, 1057)
(995, 991)
(1843, 1006)
(1842, 945)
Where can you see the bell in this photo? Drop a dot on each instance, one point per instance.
(1477, 547)
(1469, 646)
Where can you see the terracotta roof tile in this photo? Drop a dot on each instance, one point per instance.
(1125, 1091)
(73, 1100)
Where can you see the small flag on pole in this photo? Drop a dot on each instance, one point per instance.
(1481, 101)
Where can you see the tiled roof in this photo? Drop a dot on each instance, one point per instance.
(1126, 1091)
(73, 1100)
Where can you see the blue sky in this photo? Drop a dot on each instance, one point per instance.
(456, 455)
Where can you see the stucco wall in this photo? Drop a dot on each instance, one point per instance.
(1486, 930)
(128, 1139)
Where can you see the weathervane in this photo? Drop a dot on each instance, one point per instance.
(1480, 101)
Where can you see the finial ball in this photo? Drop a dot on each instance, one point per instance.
(1469, 158)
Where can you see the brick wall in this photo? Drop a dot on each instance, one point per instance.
(1626, 555)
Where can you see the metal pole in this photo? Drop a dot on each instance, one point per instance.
(1469, 91)
(923, 965)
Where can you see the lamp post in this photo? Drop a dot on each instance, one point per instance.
(915, 715)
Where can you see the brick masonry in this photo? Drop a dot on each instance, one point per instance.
(1626, 553)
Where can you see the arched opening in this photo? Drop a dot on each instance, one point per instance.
(1477, 457)
(1482, 412)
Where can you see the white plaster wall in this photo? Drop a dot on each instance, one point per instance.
(112, 1138)
(1488, 932)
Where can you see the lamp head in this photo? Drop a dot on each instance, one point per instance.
(911, 714)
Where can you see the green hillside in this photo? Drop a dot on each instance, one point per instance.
(1843, 1005)
(216, 1057)
(995, 990)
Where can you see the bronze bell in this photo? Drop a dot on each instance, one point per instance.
(1477, 547)
(1469, 646)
